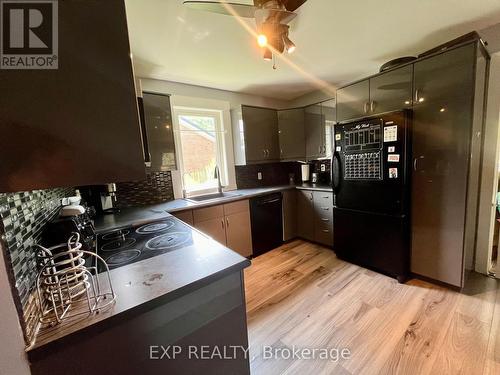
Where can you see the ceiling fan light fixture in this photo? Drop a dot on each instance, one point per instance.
(289, 45)
(262, 40)
(268, 54)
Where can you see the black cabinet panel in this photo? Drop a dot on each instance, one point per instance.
(159, 130)
(78, 124)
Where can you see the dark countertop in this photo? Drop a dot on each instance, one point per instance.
(316, 187)
(139, 215)
(144, 285)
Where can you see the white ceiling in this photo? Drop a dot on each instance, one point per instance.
(337, 41)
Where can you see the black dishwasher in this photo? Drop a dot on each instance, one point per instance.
(267, 222)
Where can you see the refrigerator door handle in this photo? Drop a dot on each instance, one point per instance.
(336, 170)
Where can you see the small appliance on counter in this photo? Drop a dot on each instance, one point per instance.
(305, 170)
(71, 220)
(314, 178)
(108, 199)
(102, 197)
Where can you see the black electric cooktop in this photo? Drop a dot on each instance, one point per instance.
(128, 245)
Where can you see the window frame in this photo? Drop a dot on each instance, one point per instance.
(221, 152)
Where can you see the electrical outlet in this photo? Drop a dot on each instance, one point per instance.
(259, 175)
(322, 167)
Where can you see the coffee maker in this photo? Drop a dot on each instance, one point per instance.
(102, 197)
(108, 198)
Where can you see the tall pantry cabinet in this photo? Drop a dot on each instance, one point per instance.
(448, 104)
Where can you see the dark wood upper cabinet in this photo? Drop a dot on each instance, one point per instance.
(78, 124)
(292, 134)
(353, 101)
(261, 134)
(391, 91)
(314, 129)
(159, 137)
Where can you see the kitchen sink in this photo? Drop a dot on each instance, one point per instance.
(211, 197)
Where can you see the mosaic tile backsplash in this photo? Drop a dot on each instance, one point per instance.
(275, 173)
(23, 216)
(156, 188)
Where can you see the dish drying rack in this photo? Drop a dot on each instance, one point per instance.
(66, 287)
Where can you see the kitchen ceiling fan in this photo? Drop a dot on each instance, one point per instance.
(272, 18)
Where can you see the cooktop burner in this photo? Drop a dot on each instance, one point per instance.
(122, 257)
(116, 234)
(160, 226)
(137, 243)
(118, 244)
(168, 240)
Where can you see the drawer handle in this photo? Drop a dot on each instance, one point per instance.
(326, 230)
(323, 219)
(325, 208)
(326, 197)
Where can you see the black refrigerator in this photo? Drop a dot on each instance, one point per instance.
(371, 180)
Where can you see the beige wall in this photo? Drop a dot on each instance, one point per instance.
(12, 356)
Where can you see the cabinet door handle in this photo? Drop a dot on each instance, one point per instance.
(416, 96)
(222, 222)
(227, 222)
(415, 163)
(372, 106)
(325, 208)
(264, 152)
(326, 196)
(365, 107)
(281, 151)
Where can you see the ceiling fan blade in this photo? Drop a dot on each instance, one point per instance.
(230, 9)
(274, 15)
(290, 5)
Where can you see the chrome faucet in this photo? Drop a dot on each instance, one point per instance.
(217, 176)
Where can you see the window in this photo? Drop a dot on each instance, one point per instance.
(200, 148)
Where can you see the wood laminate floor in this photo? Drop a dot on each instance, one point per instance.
(301, 295)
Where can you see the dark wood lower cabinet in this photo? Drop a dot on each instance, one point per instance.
(315, 216)
(207, 322)
(305, 215)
